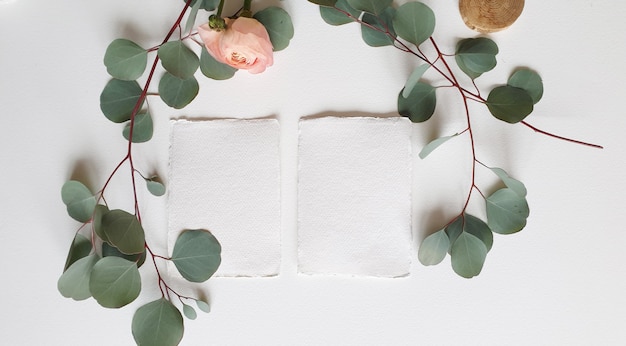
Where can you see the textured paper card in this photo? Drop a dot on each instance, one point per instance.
(354, 196)
(225, 177)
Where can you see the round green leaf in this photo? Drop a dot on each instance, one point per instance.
(74, 283)
(509, 104)
(123, 231)
(178, 93)
(380, 37)
(414, 22)
(142, 128)
(178, 59)
(507, 211)
(370, 6)
(479, 229)
(333, 16)
(81, 247)
(420, 105)
(208, 5)
(79, 201)
(98, 213)
(109, 250)
(189, 312)
(454, 229)
(196, 255)
(475, 56)
(434, 248)
(278, 24)
(528, 80)
(115, 282)
(125, 60)
(154, 187)
(511, 183)
(327, 3)
(158, 323)
(118, 99)
(213, 68)
(203, 306)
(468, 254)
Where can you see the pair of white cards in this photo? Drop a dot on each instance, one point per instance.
(354, 193)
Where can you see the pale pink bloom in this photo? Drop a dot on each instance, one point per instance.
(245, 44)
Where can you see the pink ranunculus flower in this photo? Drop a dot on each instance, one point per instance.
(244, 44)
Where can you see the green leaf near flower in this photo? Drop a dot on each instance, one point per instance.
(208, 5)
(123, 231)
(528, 80)
(371, 6)
(196, 255)
(327, 3)
(509, 104)
(434, 248)
(114, 282)
(420, 105)
(142, 128)
(74, 282)
(118, 99)
(78, 200)
(158, 323)
(126, 60)
(475, 56)
(178, 93)
(414, 22)
(341, 13)
(507, 211)
(384, 34)
(178, 59)
(278, 24)
(214, 69)
(81, 247)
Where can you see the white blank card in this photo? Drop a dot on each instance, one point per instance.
(354, 196)
(225, 177)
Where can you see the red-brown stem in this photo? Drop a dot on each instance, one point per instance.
(561, 137)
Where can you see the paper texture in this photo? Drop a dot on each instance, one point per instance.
(354, 196)
(225, 177)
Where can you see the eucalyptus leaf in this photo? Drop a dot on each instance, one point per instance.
(384, 35)
(178, 93)
(507, 211)
(158, 323)
(119, 98)
(178, 59)
(415, 76)
(196, 255)
(193, 14)
(278, 24)
(189, 312)
(434, 248)
(79, 201)
(341, 13)
(511, 183)
(509, 104)
(115, 282)
(142, 128)
(81, 247)
(454, 229)
(528, 80)
(74, 283)
(475, 56)
(155, 187)
(203, 306)
(479, 229)
(110, 250)
(123, 231)
(370, 6)
(468, 254)
(214, 69)
(327, 3)
(420, 105)
(98, 213)
(414, 22)
(434, 144)
(125, 60)
(208, 5)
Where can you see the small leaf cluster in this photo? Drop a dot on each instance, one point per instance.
(407, 27)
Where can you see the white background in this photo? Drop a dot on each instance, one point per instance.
(561, 281)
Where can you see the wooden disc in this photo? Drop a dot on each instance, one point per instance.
(490, 15)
